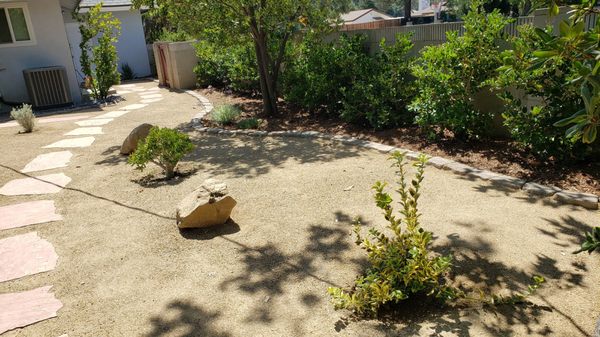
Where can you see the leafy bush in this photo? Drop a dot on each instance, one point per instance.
(99, 31)
(548, 81)
(451, 74)
(342, 78)
(249, 123)
(25, 117)
(174, 36)
(164, 147)
(127, 72)
(401, 265)
(230, 66)
(225, 114)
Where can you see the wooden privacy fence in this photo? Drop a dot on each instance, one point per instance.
(435, 33)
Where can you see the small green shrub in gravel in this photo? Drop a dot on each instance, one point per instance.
(249, 123)
(164, 147)
(25, 117)
(225, 114)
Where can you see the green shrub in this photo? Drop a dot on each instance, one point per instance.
(342, 78)
(25, 117)
(249, 123)
(227, 66)
(533, 126)
(381, 96)
(127, 72)
(99, 35)
(225, 114)
(164, 147)
(401, 265)
(451, 74)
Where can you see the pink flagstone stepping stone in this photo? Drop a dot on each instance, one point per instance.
(45, 120)
(150, 96)
(123, 92)
(95, 122)
(28, 307)
(48, 161)
(72, 142)
(24, 255)
(113, 114)
(51, 183)
(93, 130)
(135, 106)
(154, 100)
(28, 213)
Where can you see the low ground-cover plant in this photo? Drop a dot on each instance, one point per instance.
(25, 117)
(401, 264)
(164, 147)
(249, 123)
(343, 78)
(591, 243)
(127, 72)
(231, 66)
(450, 75)
(225, 114)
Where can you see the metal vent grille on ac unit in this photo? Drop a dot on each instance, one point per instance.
(48, 87)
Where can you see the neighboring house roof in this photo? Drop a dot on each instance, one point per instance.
(355, 15)
(105, 3)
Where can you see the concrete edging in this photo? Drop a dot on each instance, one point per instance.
(588, 201)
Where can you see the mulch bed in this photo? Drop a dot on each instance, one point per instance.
(499, 156)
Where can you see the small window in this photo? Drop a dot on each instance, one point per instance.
(15, 27)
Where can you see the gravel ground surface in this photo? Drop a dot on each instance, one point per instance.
(124, 268)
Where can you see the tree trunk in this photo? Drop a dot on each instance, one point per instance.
(267, 84)
(407, 10)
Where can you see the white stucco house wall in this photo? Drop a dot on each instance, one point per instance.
(42, 33)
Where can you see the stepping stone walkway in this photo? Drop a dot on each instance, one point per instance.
(28, 307)
(51, 183)
(93, 130)
(135, 106)
(25, 255)
(48, 161)
(95, 122)
(28, 254)
(28, 213)
(112, 114)
(154, 100)
(150, 96)
(72, 142)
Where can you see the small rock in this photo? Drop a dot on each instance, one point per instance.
(377, 146)
(135, 136)
(209, 205)
(539, 189)
(267, 299)
(348, 188)
(589, 201)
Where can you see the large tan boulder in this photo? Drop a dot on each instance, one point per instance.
(135, 136)
(209, 205)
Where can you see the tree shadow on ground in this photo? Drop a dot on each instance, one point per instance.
(254, 156)
(268, 270)
(185, 319)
